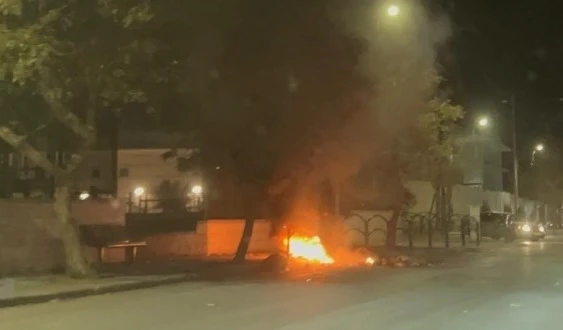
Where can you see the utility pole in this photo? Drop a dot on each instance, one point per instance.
(514, 155)
(442, 201)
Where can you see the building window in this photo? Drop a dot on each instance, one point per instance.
(96, 174)
(123, 172)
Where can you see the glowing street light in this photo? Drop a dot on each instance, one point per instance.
(483, 122)
(139, 191)
(197, 190)
(537, 148)
(393, 11)
(84, 196)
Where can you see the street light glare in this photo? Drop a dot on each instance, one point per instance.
(84, 195)
(197, 189)
(139, 191)
(393, 10)
(483, 122)
(539, 147)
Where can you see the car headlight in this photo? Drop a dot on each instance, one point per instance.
(541, 228)
(526, 228)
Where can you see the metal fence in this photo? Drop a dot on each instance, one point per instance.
(421, 227)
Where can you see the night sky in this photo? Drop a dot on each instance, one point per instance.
(498, 48)
(504, 47)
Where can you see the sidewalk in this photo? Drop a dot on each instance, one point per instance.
(33, 290)
(118, 278)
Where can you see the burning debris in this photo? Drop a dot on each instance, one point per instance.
(309, 249)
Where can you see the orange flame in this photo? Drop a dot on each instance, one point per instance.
(308, 248)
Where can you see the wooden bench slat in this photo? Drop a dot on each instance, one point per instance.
(125, 245)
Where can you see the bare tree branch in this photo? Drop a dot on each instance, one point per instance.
(19, 143)
(66, 117)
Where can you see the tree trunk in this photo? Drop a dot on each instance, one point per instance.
(75, 261)
(392, 224)
(336, 192)
(242, 249)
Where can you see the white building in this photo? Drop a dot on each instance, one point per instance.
(479, 155)
(141, 163)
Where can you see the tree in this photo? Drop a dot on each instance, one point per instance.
(77, 60)
(269, 99)
(437, 123)
(423, 151)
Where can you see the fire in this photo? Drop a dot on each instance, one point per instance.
(308, 248)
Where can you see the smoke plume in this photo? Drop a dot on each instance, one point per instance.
(400, 57)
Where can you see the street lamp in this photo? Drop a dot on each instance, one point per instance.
(139, 191)
(538, 148)
(512, 103)
(479, 144)
(84, 195)
(197, 190)
(393, 11)
(483, 122)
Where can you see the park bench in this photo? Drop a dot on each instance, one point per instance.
(103, 237)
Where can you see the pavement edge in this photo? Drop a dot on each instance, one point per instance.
(82, 293)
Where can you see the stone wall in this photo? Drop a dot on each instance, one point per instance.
(26, 246)
(223, 236)
(211, 238)
(110, 212)
(175, 245)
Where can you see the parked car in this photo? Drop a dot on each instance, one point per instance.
(533, 230)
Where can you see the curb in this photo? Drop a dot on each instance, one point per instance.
(82, 293)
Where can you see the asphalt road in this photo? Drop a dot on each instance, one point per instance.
(516, 287)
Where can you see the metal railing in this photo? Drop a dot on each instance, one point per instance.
(420, 225)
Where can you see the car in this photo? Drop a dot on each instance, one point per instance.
(526, 229)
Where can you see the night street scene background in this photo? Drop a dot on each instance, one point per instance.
(281, 164)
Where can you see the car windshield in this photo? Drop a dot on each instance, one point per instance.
(493, 217)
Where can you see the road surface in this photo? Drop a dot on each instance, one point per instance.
(515, 287)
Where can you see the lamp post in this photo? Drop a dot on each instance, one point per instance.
(480, 124)
(543, 208)
(537, 148)
(512, 104)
